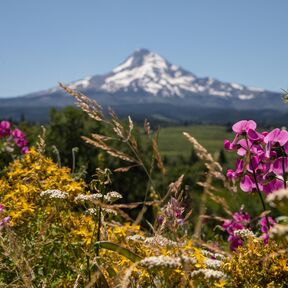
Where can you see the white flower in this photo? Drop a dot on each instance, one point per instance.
(244, 233)
(213, 255)
(212, 263)
(208, 273)
(279, 197)
(166, 261)
(135, 238)
(112, 196)
(109, 211)
(160, 240)
(161, 261)
(92, 211)
(54, 194)
(88, 197)
(279, 230)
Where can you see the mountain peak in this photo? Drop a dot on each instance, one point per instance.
(142, 57)
(145, 72)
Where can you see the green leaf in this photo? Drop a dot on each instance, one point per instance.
(120, 250)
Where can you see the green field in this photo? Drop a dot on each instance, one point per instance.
(173, 143)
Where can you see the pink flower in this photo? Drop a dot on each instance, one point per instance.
(279, 164)
(247, 184)
(243, 126)
(273, 185)
(4, 128)
(265, 227)
(239, 221)
(277, 136)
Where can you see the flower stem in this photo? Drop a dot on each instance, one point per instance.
(283, 167)
(256, 182)
(260, 195)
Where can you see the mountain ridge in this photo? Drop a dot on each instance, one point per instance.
(146, 77)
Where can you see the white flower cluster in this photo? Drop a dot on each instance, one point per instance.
(160, 240)
(88, 197)
(156, 240)
(213, 255)
(208, 273)
(166, 261)
(112, 196)
(212, 263)
(244, 233)
(92, 211)
(279, 230)
(54, 194)
(161, 261)
(109, 211)
(135, 238)
(279, 197)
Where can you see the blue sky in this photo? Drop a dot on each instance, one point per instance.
(44, 42)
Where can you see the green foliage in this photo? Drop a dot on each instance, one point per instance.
(65, 129)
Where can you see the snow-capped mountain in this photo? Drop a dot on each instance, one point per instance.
(146, 83)
(146, 71)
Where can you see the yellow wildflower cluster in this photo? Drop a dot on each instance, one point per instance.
(26, 178)
(258, 265)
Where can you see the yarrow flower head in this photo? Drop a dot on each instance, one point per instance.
(54, 194)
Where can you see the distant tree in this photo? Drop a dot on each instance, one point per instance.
(193, 157)
(65, 129)
(222, 157)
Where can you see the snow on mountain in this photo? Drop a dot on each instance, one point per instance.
(81, 83)
(149, 72)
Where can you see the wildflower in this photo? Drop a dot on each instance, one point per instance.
(54, 194)
(208, 273)
(279, 231)
(244, 233)
(240, 128)
(112, 196)
(88, 197)
(278, 199)
(172, 213)
(166, 261)
(265, 228)
(5, 128)
(4, 221)
(239, 221)
(109, 211)
(212, 263)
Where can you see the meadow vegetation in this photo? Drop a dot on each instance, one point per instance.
(95, 201)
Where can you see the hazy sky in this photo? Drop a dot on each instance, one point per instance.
(44, 42)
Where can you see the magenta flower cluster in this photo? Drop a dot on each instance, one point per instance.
(240, 221)
(262, 163)
(261, 167)
(14, 135)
